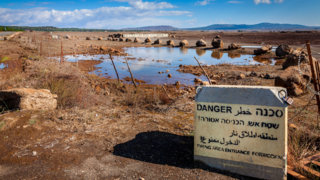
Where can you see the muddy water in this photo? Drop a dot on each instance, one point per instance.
(153, 64)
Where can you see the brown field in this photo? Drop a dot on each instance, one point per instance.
(105, 130)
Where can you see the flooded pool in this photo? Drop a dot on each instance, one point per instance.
(147, 62)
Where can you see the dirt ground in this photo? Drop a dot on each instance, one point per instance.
(106, 130)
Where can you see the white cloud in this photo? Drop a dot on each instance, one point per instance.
(138, 13)
(262, 1)
(204, 2)
(234, 2)
(267, 1)
(139, 4)
(278, 1)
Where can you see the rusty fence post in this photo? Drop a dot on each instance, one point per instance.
(132, 78)
(316, 79)
(115, 69)
(203, 71)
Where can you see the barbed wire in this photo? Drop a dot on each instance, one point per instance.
(301, 110)
(301, 73)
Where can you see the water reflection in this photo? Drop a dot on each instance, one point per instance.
(233, 55)
(217, 55)
(184, 50)
(170, 50)
(200, 52)
(262, 60)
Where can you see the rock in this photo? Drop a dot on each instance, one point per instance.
(67, 37)
(28, 99)
(158, 41)
(183, 43)
(263, 50)
(213, 81)
(295, 82)
(177, 83)
(169, 75)
(128, 40)
(269, 76)
(88, 38)
(217, 43)
(136, 40)
(104, 48)
(197, 80)
(283, 50)
(241, 76)
(116, 35)
(204, 83)
(147, 40)
(292, 126)
(170, 43)
(109, 38)
(253, 74)
(121, 39)
(54, 37)
(100, 38)
(201, 43)
(234, 46)
(293, 59)
(34, 153)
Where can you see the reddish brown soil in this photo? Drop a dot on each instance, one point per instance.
(126, 133)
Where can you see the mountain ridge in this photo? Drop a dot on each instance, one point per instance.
(232, 27)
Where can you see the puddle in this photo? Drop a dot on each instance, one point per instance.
(147, 62)
(2, 66)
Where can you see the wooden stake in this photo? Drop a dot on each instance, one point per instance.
(40, 48)
(132, 79)
(165, 91)
(115, 69)
(317, 72)
(203, 70)
(61, 56)
(315, 83)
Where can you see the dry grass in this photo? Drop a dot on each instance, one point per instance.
(138, 97)
(301, 144)
(65, 80)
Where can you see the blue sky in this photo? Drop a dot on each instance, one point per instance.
(135, 13)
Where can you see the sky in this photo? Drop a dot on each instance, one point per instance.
(115, 14)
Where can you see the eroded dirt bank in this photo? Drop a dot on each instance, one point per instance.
(105, 130)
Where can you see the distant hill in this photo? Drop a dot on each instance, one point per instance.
(218, 27)
(152, 28)
(232, 27)
(261, 26)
